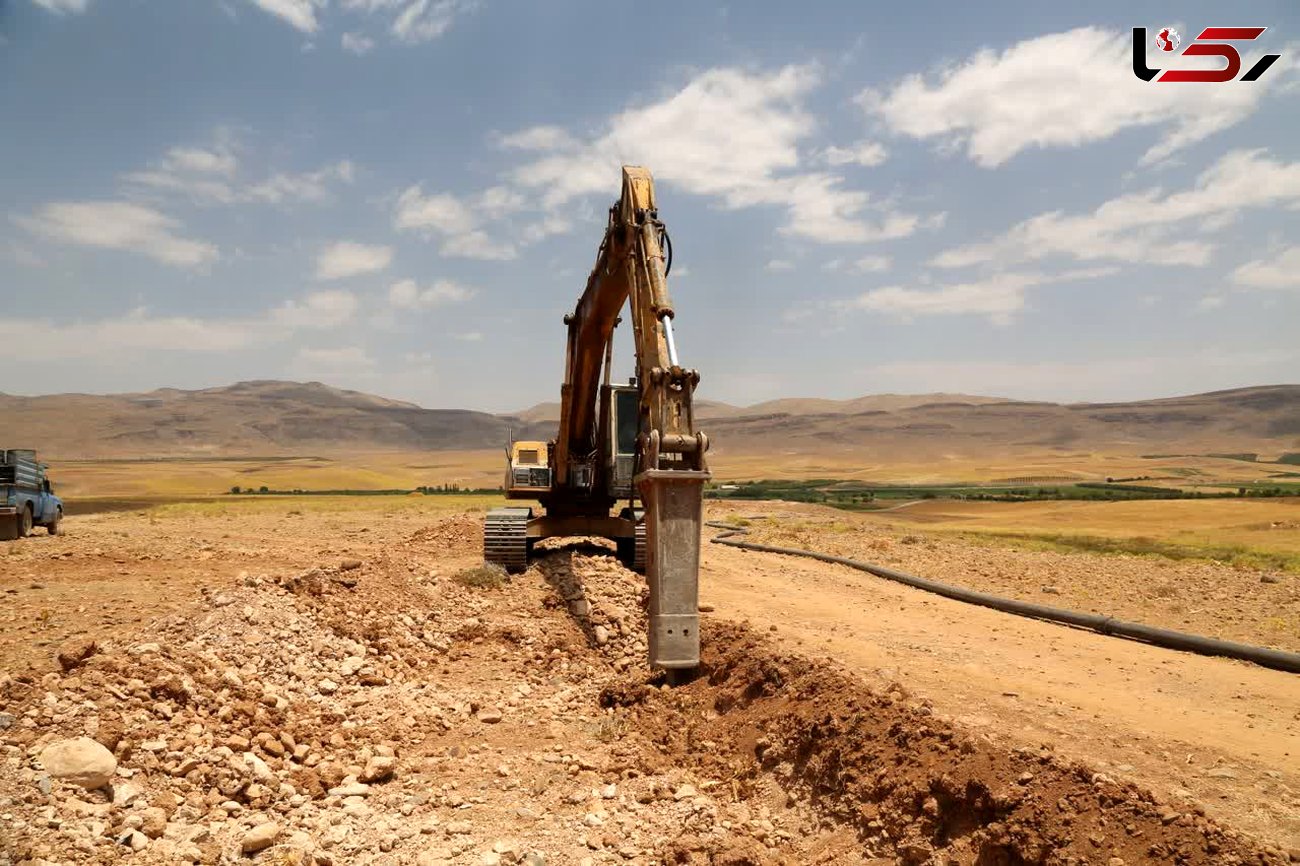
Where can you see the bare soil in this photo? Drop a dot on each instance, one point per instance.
(1199, 596)
(329, 673)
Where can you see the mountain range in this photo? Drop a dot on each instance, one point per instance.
(274, 417)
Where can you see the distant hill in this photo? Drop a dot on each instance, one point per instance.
(270, 417)
(1244, 419)
(262, 417)
(870, 403)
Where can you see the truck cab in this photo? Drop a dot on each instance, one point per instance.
(27, 498)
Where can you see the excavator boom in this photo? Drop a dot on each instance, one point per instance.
(637, 441)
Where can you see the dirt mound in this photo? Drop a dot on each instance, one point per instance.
(462, 532)
(910, 786)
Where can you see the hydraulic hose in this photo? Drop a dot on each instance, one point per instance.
(1106, 625)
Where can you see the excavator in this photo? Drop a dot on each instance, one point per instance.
(633, 444)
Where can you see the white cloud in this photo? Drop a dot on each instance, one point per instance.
(998, 296)
(348, 259)
(497, 201)
(140, 332)
(1209, 302)
(424, 20)
(863, 265)
(456, 223)
(468, 336)
(1102, 378)
(819, 210)
(548, 225)
(119, 225)
(779, 265)
(301, 14)
(208, 175)
(311, 363)
(136, 332)
(729, 134)
(1149, 226)
(865, 153)
(407, 294)
(440, 212)
(1280, 272)
(477, 245)
(415, 20)
(546, 137)
(201, 160)
(1061, 90)
(872, 264)
(309, 186)
(63, 6)
(357, 43)
(316, 311)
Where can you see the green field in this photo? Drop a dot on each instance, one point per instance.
(859, 496)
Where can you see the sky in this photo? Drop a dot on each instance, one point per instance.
(404, 197)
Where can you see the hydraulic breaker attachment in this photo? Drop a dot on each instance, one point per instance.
(673, 501)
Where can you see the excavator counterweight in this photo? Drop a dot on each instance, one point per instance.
(634, 443)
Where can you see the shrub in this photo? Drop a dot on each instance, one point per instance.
(489, 575)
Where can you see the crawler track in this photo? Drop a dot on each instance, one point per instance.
(505, 538)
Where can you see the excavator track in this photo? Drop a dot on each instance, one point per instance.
(505, 538)
(638, 549)
(632, 551)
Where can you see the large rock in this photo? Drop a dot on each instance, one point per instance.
(81, 761)
(379, 768)
(153, 822)
(74, 653)
(259, 837)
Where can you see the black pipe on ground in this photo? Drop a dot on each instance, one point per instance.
(1107, 625)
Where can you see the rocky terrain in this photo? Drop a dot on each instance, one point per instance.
(354, 688)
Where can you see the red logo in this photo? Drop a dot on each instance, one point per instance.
(1168, 40)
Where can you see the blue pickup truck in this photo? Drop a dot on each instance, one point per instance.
(26, 499)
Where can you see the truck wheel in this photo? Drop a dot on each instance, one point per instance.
(25, 522)
(55, 526)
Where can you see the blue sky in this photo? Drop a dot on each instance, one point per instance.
(405, 196)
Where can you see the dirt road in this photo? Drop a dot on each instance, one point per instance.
(1222, 732)
(318, 686)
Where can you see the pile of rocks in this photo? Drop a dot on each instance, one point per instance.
(361, 712)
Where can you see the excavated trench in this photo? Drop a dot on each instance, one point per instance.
(885, 780)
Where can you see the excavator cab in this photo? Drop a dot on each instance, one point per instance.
(625, 424)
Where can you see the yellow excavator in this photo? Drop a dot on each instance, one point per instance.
(633, 443)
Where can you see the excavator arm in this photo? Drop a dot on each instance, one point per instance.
(669, 468)
(631, 269)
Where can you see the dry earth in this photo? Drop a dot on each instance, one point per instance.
(321, 687)
(1200, 596)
